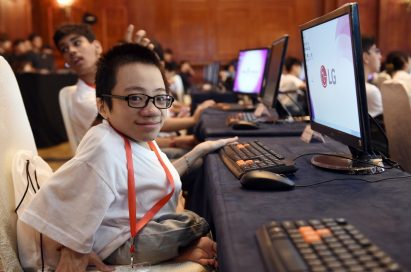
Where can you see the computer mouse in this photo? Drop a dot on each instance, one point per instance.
(264, 180)
(244, 125)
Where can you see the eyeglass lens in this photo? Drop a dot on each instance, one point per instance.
(140, 101)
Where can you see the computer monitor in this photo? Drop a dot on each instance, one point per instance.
(273, 76)
(249, 75)
(336, 87)
(211, 73)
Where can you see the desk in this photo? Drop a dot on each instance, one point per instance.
(40, 96)
(381, 211)
(213, 124)
(198, 96)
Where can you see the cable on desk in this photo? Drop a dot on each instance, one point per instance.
(359, 179)
(392, 163)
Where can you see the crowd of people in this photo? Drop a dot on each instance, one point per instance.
(27, 55)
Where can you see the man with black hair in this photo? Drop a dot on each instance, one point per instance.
(88, 204)
(371, 56)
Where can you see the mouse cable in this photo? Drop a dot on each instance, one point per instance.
(350, 179)
(392, 166)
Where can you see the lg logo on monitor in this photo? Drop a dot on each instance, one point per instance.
(327, 77)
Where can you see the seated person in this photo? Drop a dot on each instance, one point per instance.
(175, 81)
(186, 73)
(86, 207)
(80, 49)
(372, 61)
(371, 56)
(397, 66)
(290, 78)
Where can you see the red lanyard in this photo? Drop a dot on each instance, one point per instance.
(91, 85)
(135, 226)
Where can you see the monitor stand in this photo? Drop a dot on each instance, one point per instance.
(360, 164)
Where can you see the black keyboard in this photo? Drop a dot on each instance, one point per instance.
(320, 245)
(254, 155)
(248, 117)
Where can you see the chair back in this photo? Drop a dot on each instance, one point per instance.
(65, 107)
(15, 134)
(396, 99)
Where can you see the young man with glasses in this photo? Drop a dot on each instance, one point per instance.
(87, 206)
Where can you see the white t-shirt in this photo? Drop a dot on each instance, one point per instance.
(177, 87)
(289, 82)
(374, 100)
(401, 75)
(82, 108)
(84, 205)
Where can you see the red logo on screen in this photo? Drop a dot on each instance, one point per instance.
(323, 73)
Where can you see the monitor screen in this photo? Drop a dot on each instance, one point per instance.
(335, 76)
(274, 70)
(336, 89)
(211, 72)
(250, 70)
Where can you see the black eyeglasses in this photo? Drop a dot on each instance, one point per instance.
(163, 101)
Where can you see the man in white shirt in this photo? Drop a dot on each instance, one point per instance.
(372, 61)
(85, 206)
(81, 51)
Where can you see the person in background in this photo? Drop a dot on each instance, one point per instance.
(186, 73)
(81, 51)
(6, 46)
(292, 88)
(227, 74)
(21, 60)
(398, 66)
(290, 78)
(371, 56)
(175, 81)
(169, 56)
(43, 60)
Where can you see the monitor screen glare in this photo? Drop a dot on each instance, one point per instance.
(250, 71)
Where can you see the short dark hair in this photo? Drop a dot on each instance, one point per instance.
(366, 43)
(120, 55)
(168, 51)
(290, 62)
(79, 29)
(32, 36)
(395, 61)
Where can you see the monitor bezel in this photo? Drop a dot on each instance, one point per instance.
(363, 142)
(264, 72)
(273, 103)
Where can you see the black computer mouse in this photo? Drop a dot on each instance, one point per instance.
(264, 180)
(244, 125)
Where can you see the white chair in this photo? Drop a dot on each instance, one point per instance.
(65, 107)
(16, 134)
(396, 99)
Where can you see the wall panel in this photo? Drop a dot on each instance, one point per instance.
(206, 30)
(15, 18)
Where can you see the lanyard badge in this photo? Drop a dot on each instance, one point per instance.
(135, 226)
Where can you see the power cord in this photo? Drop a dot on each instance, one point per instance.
(350, 179)
(392, 166)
